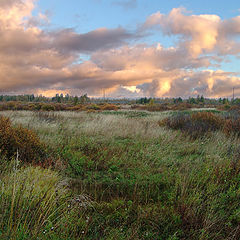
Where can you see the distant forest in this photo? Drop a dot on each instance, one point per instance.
(60, 98)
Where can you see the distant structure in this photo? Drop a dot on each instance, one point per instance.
(233, 93)
(104, 95)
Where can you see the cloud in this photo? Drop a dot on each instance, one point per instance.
(14, 12)
(33, 59)
(8, 3)
(144, 56)
(101, 38)
(199, 34)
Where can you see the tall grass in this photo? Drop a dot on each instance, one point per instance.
(31, 202)
(136, 180)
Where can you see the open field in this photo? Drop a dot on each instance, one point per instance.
(121, 175)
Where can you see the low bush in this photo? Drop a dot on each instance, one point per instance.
(21, 140)
(78, 107)
(196, 124)
(93, 107)
(213, 121)
(232, 126)
(152, 107)
(176, 122)
(47, 107)
(227, 107)
(109, 107)
(182, 106)
(156, 107)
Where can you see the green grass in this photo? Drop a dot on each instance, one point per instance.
(128, 114)
(127, 178)
(32, 202)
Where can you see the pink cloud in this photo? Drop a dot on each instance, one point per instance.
(35, 60)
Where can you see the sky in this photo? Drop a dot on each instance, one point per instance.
(123, 48)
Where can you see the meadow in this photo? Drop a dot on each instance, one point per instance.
(120, 174)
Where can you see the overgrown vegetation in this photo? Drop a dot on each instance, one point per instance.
(46, 107)
(200, 124)
(119, 175)
(17, 139)
(84, 103)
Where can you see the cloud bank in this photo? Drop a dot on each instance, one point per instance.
(35, 60)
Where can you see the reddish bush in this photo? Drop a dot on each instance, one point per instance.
(93, 107)
(60, 107)
(213, 121)
(232, 126)
(152, 107)
(177, 121)
(109, 107)
(182, 106)
(47, 107)
(26, 142)
(195, 125)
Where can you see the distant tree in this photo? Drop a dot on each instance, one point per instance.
(144, 100)
(177, 100)
(191, 100)
(61, 98)
(236, 101)
(151, 102)
(31, 98)
(225, 101)
(75, 100)
(84, 99)
(201, 99)
(67, 97)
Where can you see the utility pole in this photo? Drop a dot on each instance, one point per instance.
(233, 93)
(104, 94)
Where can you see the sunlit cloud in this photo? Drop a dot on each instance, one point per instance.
(119, 62)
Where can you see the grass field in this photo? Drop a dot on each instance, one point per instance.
(120, 175)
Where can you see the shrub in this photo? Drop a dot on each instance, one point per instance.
(93, 107)
(60, 107)
(182, 106)
(110, 107)
(232, 126)
(156, 107)
(47, 107)
(213, 121)
(195, 125)
(177, 121)
(152, 107)
(78, 107)
(226, 107)
(25, 141)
